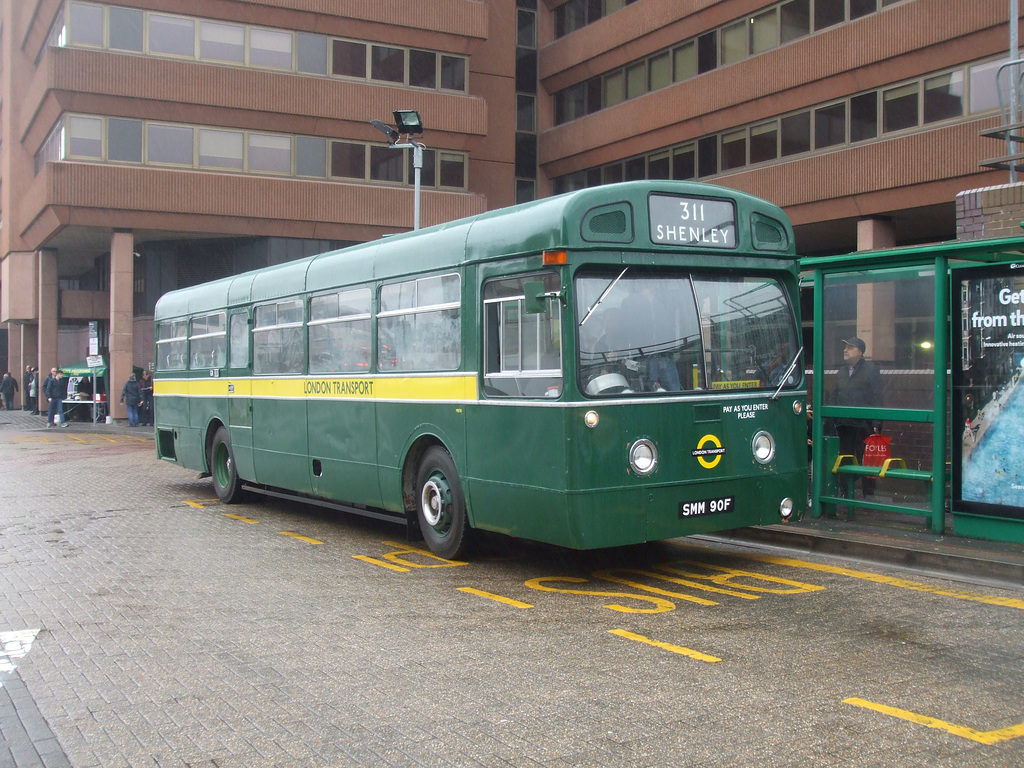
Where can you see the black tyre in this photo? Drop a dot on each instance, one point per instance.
(440, 505)
(222, 468)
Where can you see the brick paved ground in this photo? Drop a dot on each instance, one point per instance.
(170, 634)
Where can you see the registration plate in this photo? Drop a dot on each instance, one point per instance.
(718, 506)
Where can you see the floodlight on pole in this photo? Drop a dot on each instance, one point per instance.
(407, 124)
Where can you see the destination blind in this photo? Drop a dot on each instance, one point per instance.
(694, 221)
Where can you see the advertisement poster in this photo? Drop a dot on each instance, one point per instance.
(988, 401)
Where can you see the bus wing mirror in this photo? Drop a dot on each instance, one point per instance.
(535, 299)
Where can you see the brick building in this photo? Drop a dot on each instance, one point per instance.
(151, 144)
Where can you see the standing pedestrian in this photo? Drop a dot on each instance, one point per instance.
(131, 396)
(146, 385)
(8, 388)
(859, 384)
(27, 404)
(33, 392)
(54, 390)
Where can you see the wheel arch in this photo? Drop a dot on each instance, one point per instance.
(410, 467)
(211, 431)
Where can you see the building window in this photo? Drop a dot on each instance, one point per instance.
(734, 150)
(864, 117)
(684, 163)
(944, 97)
(452, 170)
(221, 149)
(453, 73)
(85, 137)
(764, 31)
(169, 144)
(422, 69)
(796, 133)
(707, 156)
(734, 42)
(794, 20)
(899, 108)
(126, 29)
(311, 157)
(828, 13)
(386, 164)
(270, 153)
(860, 8)
(659, 166)
(764, 142)
(172, 35)
(348, 160)
(387, 64)
(124, 140)
(830, 126)
(526, 112)
(221, 42)
(311, 53)
(86, 25)
(270, 48)
(349, 59)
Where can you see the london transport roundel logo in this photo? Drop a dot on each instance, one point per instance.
(709, 451)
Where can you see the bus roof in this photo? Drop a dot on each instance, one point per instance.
(571, 221)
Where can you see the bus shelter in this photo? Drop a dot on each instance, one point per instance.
(933, 322)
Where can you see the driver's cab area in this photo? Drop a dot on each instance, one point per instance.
(657, 332)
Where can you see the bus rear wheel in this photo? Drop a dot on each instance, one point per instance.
(440, 505)
(222, 468)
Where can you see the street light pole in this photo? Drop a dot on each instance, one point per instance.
(408, 124)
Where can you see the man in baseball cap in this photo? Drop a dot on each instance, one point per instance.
(857, 384)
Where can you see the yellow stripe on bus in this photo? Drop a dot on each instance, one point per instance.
(457, 388)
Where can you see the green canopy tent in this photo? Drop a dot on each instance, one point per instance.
(81, 385)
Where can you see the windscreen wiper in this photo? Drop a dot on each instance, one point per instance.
(602, 296)
(785, 376)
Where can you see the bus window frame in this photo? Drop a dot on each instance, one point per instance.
(519, 374)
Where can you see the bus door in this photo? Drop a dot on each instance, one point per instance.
(240, 393)
(517, 441)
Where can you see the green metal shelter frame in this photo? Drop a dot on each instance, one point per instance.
(943, 257)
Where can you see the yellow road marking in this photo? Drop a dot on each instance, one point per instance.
(300, 538)
(661, 605)
(239, 517)
(1008, 602)
(198, 504)
(405, 549)
(982, 737)
(381, 563)
(492, 596)
(665, 646)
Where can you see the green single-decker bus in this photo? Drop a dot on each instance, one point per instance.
(609, 366)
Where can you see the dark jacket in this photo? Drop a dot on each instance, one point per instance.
(54, 388)
(9, 385)
(131, 392)
(862, 388)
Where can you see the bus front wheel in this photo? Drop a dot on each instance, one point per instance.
(440, 505)
(222, 468)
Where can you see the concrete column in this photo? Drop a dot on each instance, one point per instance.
(122, 286)
(875, 234)
(876, 311)
(48, 302)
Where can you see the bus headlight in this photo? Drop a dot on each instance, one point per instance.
(798, 407)
(591, 419)
(643, 457)
(763, 446)
(786, 508)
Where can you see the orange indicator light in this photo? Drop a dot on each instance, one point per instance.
(553, 257)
